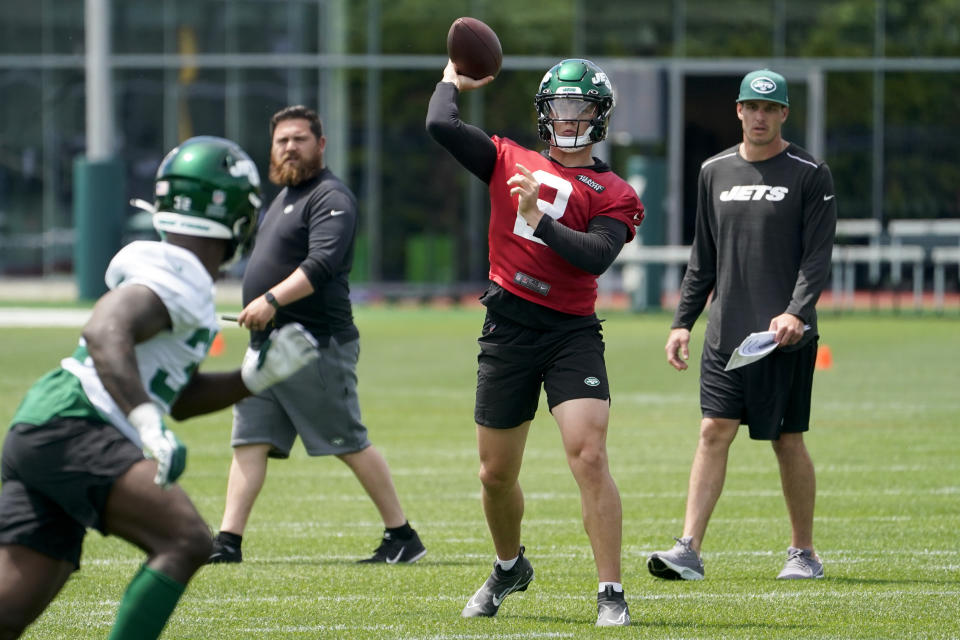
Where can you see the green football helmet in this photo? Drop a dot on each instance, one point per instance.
(574, 90)
(208, 187)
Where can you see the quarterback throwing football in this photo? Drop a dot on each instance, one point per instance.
(558, 218)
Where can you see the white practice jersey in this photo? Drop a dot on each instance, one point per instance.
(167, 360)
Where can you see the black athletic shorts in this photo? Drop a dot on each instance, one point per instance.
(515, 361)
(771, 395)
(56, 480)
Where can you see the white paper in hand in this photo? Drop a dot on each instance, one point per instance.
(754, 346)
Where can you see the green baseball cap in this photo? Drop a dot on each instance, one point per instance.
(764, 84)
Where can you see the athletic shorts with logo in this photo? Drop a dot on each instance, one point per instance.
(319, 404)
(516, 361)
(56, 481)
(771, 395)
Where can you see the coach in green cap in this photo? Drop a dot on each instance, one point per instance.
(766, 214)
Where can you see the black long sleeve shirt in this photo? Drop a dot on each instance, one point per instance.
(763, 243)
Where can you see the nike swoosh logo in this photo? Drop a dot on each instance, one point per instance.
(503, 594)
(621, 619)
(825, 198)
(336, 212)
(396, 558)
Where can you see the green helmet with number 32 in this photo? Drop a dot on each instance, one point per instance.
(574, 91)
(208, 187)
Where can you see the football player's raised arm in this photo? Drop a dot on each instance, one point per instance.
(121, 319)
(468, 144)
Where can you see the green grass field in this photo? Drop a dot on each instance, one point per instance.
(884, 440)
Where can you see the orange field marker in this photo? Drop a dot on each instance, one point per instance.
(824, 358)
(216, 349)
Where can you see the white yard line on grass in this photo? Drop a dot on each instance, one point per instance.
(625, 495)
(845, 594)
(39, 317)
(29, 318)
(835, 556)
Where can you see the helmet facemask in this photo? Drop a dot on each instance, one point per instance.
(574, 116)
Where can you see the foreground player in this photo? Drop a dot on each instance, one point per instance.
(766, 216)
(558, 219)
(88, 446)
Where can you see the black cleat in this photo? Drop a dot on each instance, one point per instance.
(224, 552)
(486, 601)
(396, 551)
(612, 610)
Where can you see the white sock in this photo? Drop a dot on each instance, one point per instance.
(617, 587)
(506, 565)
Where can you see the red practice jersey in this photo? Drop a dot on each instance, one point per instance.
(520, 262)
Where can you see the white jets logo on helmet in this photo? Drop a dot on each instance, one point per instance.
(601, 78)
(246, 168)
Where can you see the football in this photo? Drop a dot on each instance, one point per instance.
(474, 48)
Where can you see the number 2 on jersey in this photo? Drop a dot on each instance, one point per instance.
(553, 209)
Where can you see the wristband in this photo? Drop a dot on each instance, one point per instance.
(271, 300)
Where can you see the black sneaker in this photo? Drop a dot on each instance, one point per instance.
(224, 552)
(612, 610)
(395, 551)
(486, 601)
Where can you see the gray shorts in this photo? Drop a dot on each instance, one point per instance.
(319, 404)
